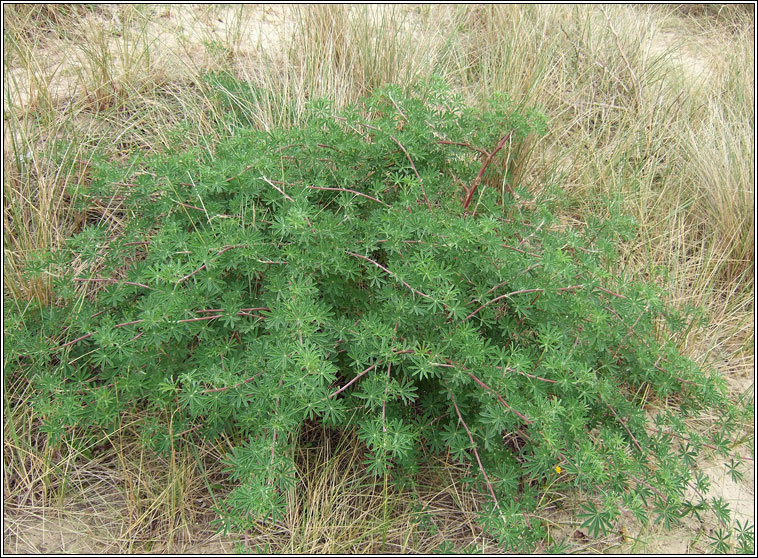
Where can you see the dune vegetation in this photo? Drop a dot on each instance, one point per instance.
(653, 106)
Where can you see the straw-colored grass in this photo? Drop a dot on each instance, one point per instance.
(651, 103)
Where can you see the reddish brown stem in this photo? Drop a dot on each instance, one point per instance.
(421, 182)
(394, 139)
(531, 375)
(560, 290)
(216, 310)
(522, 251)
(380, 266)
(109, 280)
(500, 298)
(190, 430)
(636, 443)
(350, 191)
(629, 331)
(677, 377)
(198, 270)
(276, 432)
(324, 146)
(492, 289)
(83, 337)
(218, 390)
(485, 164)
(218, 215)
(397, 108)
(499, 398)
(539, 294)
(384, 400)
(202, 267)
(188, 320)
(275, 187)
(247, 168)
(351, 382)
(473, 447)
(188, 206)
(88, 335)
(468, 145)
(610, 292)
(674, 434)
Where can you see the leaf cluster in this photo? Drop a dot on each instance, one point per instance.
(376, 268)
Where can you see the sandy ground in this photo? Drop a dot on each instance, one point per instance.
(71, 531)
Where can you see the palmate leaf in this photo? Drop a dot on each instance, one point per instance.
(733, 469)
(745, 536)
(598, 522)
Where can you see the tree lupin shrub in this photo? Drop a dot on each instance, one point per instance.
(377, 269)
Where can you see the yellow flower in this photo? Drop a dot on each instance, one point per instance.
(558, 469)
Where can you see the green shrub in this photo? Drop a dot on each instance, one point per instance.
(376, 269)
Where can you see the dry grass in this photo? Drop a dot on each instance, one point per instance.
(652, 103)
